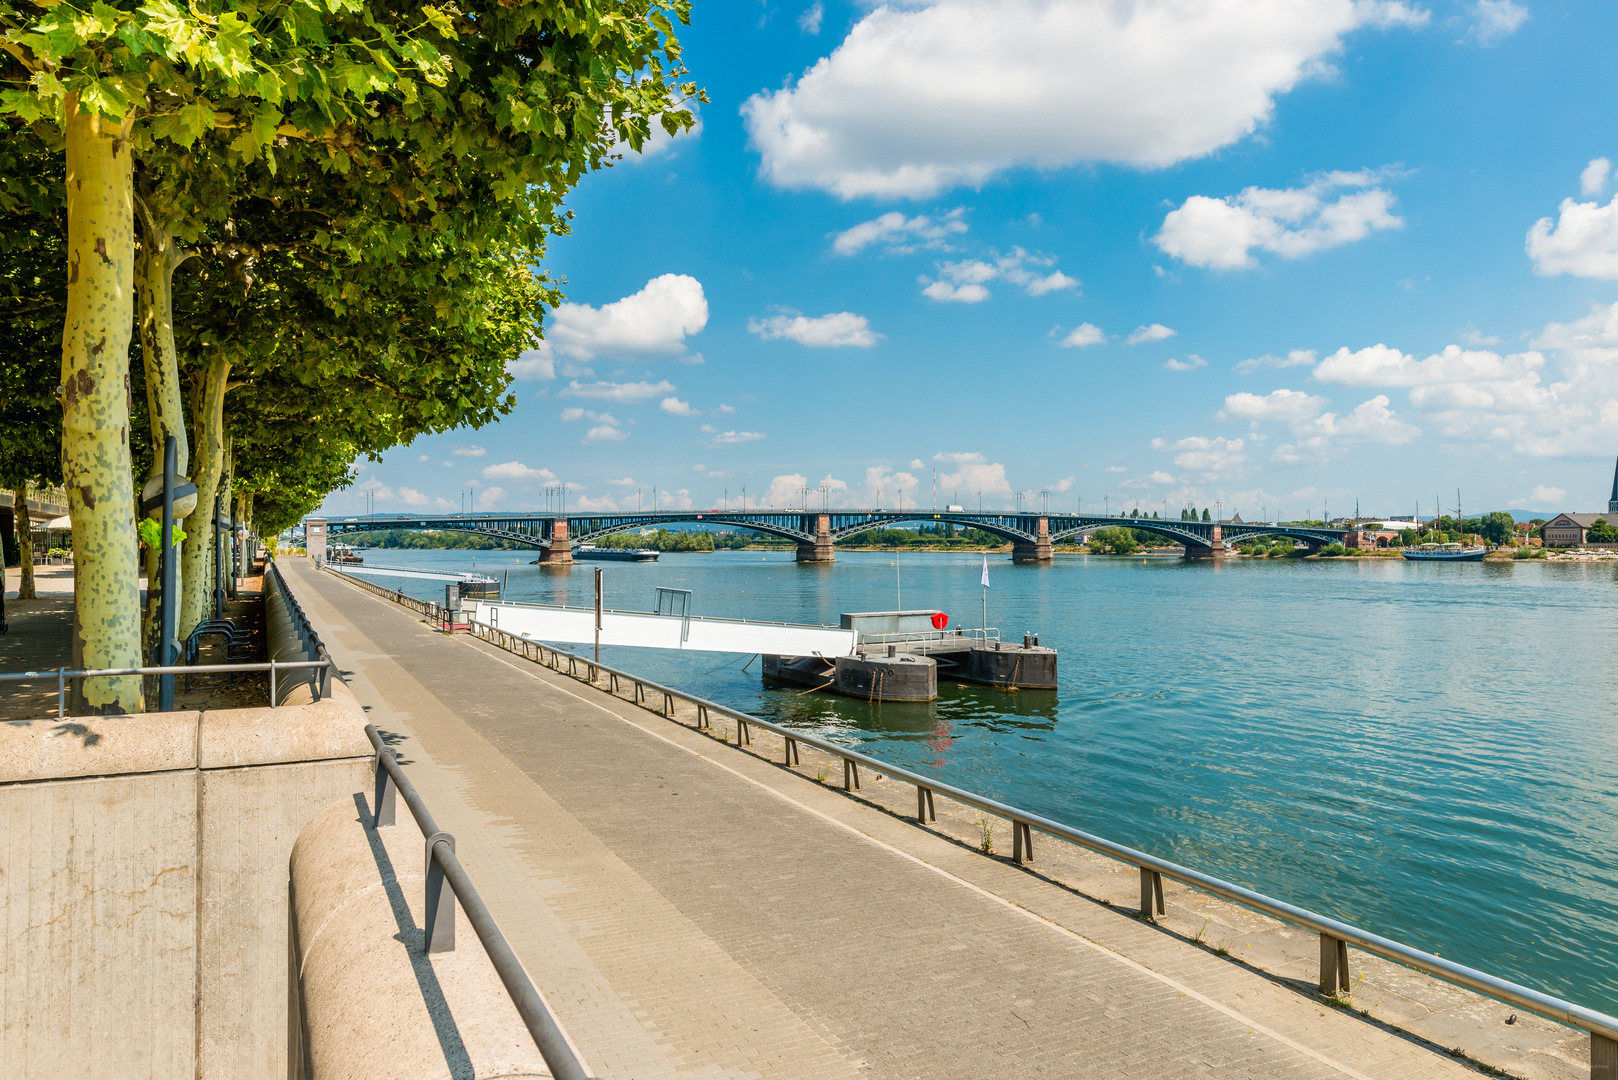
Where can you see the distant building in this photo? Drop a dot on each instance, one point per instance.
(1571, 530)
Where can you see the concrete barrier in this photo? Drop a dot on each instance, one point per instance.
(287, 640)
(376, 1005)
(144, 885)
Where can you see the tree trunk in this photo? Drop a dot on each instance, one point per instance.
(208, 424)
(165, 403)
(25, 543)
(227, 537)
(95, 411)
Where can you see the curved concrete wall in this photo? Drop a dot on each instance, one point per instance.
(285, 641)
(375, 1004)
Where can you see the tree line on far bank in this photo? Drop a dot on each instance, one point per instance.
(285, 234)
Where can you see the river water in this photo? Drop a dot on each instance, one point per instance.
(1427, 751)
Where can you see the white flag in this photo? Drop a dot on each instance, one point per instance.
(985, 571)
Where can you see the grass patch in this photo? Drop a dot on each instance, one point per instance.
(985, 836)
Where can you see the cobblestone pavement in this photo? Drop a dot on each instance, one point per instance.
(692, 910)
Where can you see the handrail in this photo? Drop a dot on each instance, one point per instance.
(1335, 935)
(61, 675)
(447, 881)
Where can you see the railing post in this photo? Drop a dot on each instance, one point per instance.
(1334, 966)
(272, 682)
(744, 733)
(324, 685)
(1151, 894)
(386, 793)
(702, 717)
(440, 921)
(792, 752)
(1022, 843)
(924, 805)
(61, 693)
(668, 704)
(1603, 1058)
(851, 775)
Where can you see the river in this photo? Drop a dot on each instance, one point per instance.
(1428, 751)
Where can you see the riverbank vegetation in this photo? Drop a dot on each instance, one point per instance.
(295, 236)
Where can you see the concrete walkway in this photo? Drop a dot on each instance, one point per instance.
(692, 910)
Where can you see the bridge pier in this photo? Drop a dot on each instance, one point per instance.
(1039, 550)
(821, 551)
(561, 549)
(1214, 549)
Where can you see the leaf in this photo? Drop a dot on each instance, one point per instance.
(192, 122)
(22, 104)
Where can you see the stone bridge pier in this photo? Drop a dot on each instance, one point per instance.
(1214, 549)
(1038, 551)
(561, 549)
(821, 551)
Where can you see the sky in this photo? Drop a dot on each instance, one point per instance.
(1278, 257)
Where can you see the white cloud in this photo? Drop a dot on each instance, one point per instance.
(973, 473)
(1204, 455)
(1321, 437)
(652, 322)
(622, 481)
(675, 407)
(1541, 498)
(572, 414)
(916, 463)
(726, 410)
(785, 491)
(1593, 180)
(928, 95)
(1083, 335)
(1191, 363)
(827, 331)
(489, 497)
(900, 234)
(533, 364)
(1276, 405)
(963, 282)
(1583, 241)
(611, 391)
(1294, 358)
(516, 470)
(1497, 19)
(412, 497)
(1154, 332)
(734, 438)
(1222, 233)
(1379, 365)
(604, 433)
(809, 21)
(1116, 468)
(603, 504)
(469, 451)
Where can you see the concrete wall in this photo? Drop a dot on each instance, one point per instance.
(144, 883)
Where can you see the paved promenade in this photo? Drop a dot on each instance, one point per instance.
(691, 910)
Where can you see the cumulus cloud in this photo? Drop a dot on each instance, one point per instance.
(604, 433)
(928, 95)
(972, 473)
(571, 414)
(468, 451)
(809, 21)
(533, 364)
(1276, 405)
(1154, 332)
(1221, 234)
(1190, 363)
(843, 328)
(1541, 498)
(652, 322)
(490, 497)
(1321, 437)
(516, 470)
(1496, 19)
(1583, 241)
(1294, 358)
(412, 497)
(1084, 335)
(964, 281)
(1204, 455)
(901, 235)
(733, 438)
(596, 504)
(675, 407)
(622, 481)
(611, 391)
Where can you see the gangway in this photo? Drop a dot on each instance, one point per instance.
(649, 629)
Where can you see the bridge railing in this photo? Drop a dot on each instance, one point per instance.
(1335, 936)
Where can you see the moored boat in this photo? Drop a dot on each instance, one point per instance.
(1446, 553)
(614, 554)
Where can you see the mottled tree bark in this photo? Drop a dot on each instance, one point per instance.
(208, 425)
(95, 410)
(25, 543)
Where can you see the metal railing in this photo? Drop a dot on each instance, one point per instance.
(1335, 935)
(447, 882)
(62, 675)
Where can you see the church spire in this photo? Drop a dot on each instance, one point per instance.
(1612, 503)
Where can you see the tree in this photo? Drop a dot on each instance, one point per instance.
(1206, 516)
(1602, 533)
(1497, 527)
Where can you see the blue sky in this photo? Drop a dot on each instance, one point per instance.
(1264, 253)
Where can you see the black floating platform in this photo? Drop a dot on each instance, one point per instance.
(910, 672)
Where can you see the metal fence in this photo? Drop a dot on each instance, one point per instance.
(447, 882)
(62, 675)
(1335, 936)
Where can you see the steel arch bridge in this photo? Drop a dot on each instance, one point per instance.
(816, 531)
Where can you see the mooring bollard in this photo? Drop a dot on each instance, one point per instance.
(851, 775)
(1334, 966)
(924, 805)
(1151, 893)
(440, 921)
(1022, 843)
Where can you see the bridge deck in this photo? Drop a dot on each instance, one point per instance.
(693, 910)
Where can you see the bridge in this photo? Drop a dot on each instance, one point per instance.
(1031, 534)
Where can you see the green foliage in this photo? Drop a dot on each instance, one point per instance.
(1332, 550)
(151, 533)
(1205, 515)
(662, 540)
(1114, 542)
(1497, 527)
(430, 539)
(1529, 553)
(1602, 532)
(33, 302)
